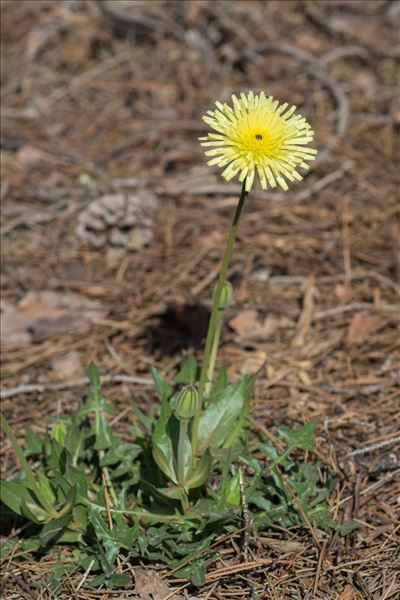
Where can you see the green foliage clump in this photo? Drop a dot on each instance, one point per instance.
(155, 498)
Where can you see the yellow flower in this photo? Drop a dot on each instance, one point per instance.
(257, 133)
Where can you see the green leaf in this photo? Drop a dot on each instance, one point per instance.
(188, 372)
(302, 438)
(259, 500)
(163, 387)
(119, 580)
(34, 443)
(97, 402)
(12, 494)
(25, 465)
(57, 574)
(98, 580)
(237, 434)
(320, 515)
(220, 384)
(80, 517)
(74, 441)
(200, 473)
(281, 488)
(93, 375)
(105, 537)
(212, 510)
(104, 435)
(304, 482)
(34, 512)
(126, 535)
(55, 456)
(31, 544)
(146, 420)
(172, 493)
(255, 464)
(45, 487)
(271, 514)
(190, 550)
(7, 546)
(220, 418)
(270, 451)
(195, 571)
(69, 502)
(348, 526)
(59, 431)
(120, 453)
(71, 537)
(86, 557)
(75, 477)
(187, 459)
(163, 451)
(53, 529)
(232, 490)
(116, 581)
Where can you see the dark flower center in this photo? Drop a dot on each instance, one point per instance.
(258, 136)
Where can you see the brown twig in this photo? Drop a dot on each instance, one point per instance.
(39, 388)
(107, 501)
(319, 565)
(339, 310)
(305, 319)
(346, 219)
(246, 517)
(373, 447)
(85, 575)
(343, 52)
(24, 587)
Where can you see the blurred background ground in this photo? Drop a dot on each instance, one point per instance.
(113, 228)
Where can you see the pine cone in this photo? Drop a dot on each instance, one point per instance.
(119, 220)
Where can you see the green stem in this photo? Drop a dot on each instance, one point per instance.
(183, 426)
(214, 312)
(214, 350)
(98, 416)
(185, 502)
(138, 513)
(26, 468)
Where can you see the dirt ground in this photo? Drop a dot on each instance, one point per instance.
(110, 212)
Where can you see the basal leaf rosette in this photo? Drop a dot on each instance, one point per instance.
(257, 134)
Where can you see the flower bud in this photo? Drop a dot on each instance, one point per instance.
(226, 295)
(187, 403)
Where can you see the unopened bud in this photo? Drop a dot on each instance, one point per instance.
(187, 403)
(226, 295)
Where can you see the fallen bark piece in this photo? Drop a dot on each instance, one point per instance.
(362, 326)
(248, 325)
(148, 586)
(41, 315)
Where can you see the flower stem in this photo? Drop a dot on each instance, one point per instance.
(214, 349)
(214, 312)
(183, 426)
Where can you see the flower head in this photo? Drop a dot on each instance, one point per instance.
(225, 299)
(187, 403)
(258, 134)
